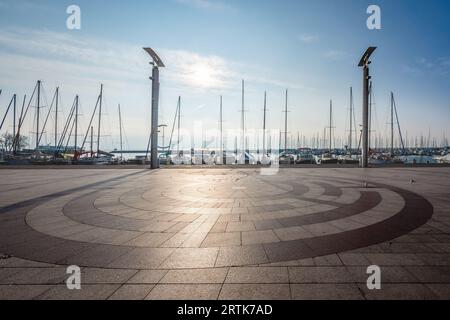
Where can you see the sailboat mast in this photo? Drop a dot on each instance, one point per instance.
(279, 142)
(14, 115)
(37, 113)
(56, 117)
(179, 125)
(243, 118)
(264, 122)
(351, 121)
(221, 130)
(398, 124)
(120, 129)
(286, 122)
(331, 120)
(99, 120)
(392, 123)
(76, 125)
(90, 122)
(92, 141)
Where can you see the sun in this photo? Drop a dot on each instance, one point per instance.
(203, 76)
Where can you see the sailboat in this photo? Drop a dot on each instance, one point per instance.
(18, 155)
(304, 156)
(286, 156)
(121, 159)
(348, 158)
(90, 157)
(265, 158)
(180, 157)
(327, 157)
(242, 157)
(390, 157)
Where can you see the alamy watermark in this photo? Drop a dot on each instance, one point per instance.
(73, 21)
(374, 20)
(73, 282)
(374, 279)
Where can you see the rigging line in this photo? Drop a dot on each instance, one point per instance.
(398, 123)
(90, 123)
(66, 126)
(44, 97)
(148, 146)
(46, 118)
(99, 120)
(16, 138)
(69, 136)
(7, 111)
(107, 127)
(23, 107)
(28, 106)
(173, 126)
(360, 138)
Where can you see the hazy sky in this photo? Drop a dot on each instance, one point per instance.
(309, 47)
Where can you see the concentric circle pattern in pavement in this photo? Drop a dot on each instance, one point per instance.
(206, 219)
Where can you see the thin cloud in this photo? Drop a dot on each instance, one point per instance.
(80, 64)
(411, 70)
(444, 61)
(425, 62)
(127, 62)
(335, 55)
(439, 66)
(25, 6)
(308, 38)
(121, 62)
(207, 4)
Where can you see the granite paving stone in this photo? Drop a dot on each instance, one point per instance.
(225, 233)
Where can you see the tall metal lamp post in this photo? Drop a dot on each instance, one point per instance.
(157, 63)
(364, 63)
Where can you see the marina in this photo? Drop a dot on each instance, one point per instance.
(238, 151)
(72, 148)
(232, 218)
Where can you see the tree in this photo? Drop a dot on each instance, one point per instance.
(7, 142)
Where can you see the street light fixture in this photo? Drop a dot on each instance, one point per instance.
(364, 63)
(157, 63)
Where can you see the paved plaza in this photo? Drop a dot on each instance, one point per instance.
(306, 233)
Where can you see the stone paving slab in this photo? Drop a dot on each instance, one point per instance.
(225, 233)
